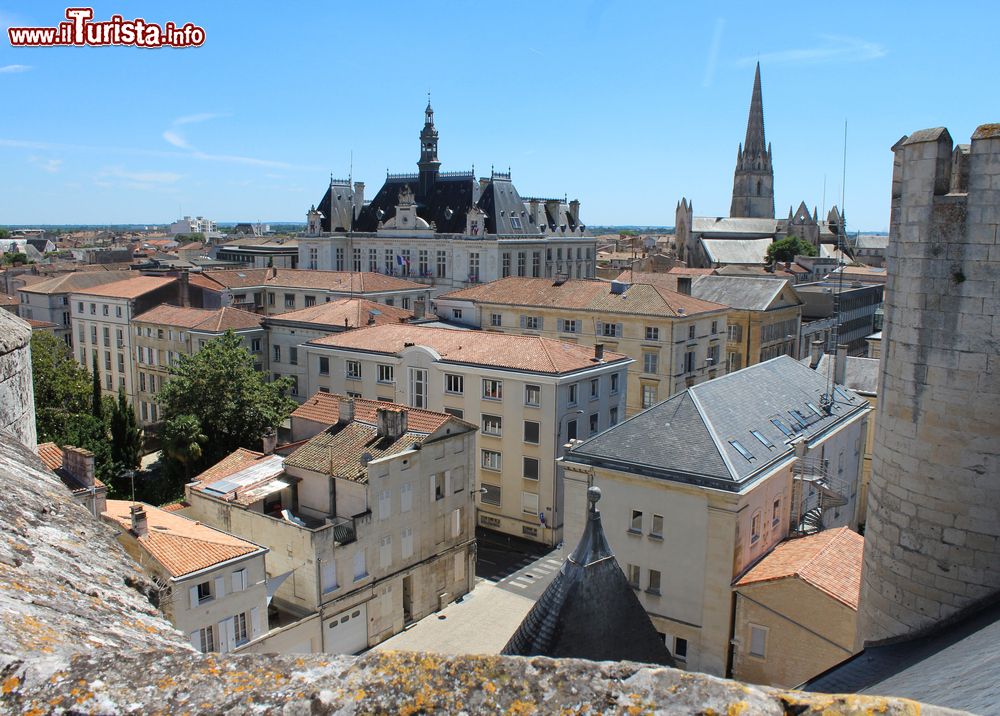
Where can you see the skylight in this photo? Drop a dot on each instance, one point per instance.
(815, 409)
(842, 394)
(741, 450)
(799, 418)
(776, 422)
(763, 440)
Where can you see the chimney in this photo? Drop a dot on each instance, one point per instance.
(599, 351)
(140, 526)
(390, 422)
(183, 289)
(840, 366)
(815, 354)
(79, 463)
(684, 285)
(269, 441)
(346, 410)
(359, 197)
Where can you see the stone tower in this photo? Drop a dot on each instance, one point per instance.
(753, 182)
(932, 541)
(428, 164)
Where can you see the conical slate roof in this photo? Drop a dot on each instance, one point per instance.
(755, 143)
(589, 611)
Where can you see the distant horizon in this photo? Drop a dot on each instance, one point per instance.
(594, 106)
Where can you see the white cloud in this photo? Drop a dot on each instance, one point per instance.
(834, 48)
(47, 165)
(195, 118)
(146, 177)
(713, 52)
(13, 69)
(176, 139)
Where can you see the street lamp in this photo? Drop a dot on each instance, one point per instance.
(567, 415)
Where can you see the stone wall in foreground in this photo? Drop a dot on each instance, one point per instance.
(17, 397)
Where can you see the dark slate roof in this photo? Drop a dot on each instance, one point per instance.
(861, 374)
(956, 666)
(337, 206)
(446, 205)
(589, 611)
(686, 438)
(502, 203)
(745, 293)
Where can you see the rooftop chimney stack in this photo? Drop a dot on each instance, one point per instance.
(184, 289)
(599, 351)
(269, 441)
(390, 422)
(684, 285)
(815, 354)
(79, 463)
(140, 526)
(840, 367)
(346, 410)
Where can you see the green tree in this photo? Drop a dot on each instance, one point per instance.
(126, 436)
(233, 402)
(61, 385)
(96, 402)
(183, 442)
(788, 248)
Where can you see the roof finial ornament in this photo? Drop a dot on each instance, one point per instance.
(593, 495)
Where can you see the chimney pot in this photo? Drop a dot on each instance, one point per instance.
(346, 410)
(269, 441)
(599, 351)
(840, 369)
(79, 463)
(815, 354)
(390, 422)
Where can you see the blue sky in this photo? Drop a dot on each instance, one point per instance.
(625, 105)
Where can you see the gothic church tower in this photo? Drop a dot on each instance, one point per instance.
(753, 183)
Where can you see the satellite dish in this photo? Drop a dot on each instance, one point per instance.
(366, 458)
(380, 213)
(448, 213)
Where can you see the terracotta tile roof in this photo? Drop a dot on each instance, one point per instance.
(357, 282)
(176, 506)
(50, 454)
(685, 271)
(238, 477)
(345, 312)
(213, 321)
(829, 560)
(129, 288)
(498, 350)
(586, 294)
(39, 324)
(73, 281)
(181, 545)
(232, 463)
(8, 300)
(324, 408)
(339, 450)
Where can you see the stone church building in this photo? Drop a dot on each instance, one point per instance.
(742, 238)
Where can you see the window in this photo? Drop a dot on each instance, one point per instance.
(384, 504)
(442, 264)
(454, 383)
(496, 320)
(656, 530)
(653, 581)
(339, 266)
(569, 326)
(492, 389)
(531, 432)
(648, 395)
(491, 460)
(277, 354)
(418, 387)
(353, 369)
(474, 266)
(239, 580)
(574, 390)
(734, 333)
(79, 306)
(270, 294)
(715, 327)
(712, 357)
(633, 573)
(613, 416)
(530, 468)
(289, 300)
(255, 345)
(204, 592)
(691, 333)
(776, 422)
(741, 450)
(492, 425)
(595, 421)
(776, 511)
(107, 360)
(571, 430)
(758, 641)
(505, 268)
(457, 412)
(762, 438)
(755, 528)
(532, 395)
(595, 388)
(531, 323)
(106, 333)
(206, 639)
(360, 571)
(680, 648)
(104, 309)
(93, 309)
(650, 362)
(406, 497)
(385, 373)
(614, 383)
(324, 365)
(609, 330)
(240, 628)
(635, 523)
(652, 333)
(406, 542)
(529, 503)
(440, 488)
(385, 551)
(490, 494)
(293, 355)
(536, 261)
(456, 313)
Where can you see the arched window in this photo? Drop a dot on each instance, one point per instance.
(758, 187)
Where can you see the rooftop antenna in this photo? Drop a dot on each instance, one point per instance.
(832, 371)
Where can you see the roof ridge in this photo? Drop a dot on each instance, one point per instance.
(838, 533)
(733, 472)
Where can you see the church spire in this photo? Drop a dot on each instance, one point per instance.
(753, 182)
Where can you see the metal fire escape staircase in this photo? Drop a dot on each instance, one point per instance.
(814, 491)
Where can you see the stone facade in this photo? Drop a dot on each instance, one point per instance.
(17, 394)
(933, 534)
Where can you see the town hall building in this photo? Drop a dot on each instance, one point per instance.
(448, 230)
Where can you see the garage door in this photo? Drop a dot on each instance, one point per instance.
(347, 633)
